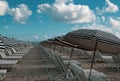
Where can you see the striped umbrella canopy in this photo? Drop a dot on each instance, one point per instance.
(94, 40)
(87, 39)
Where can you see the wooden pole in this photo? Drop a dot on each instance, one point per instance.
(54, 47)
(61, 49)
(72, 51)
(91, 67)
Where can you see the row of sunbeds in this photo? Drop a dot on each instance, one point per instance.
(11, 53)
(112, 61)
(63, 72)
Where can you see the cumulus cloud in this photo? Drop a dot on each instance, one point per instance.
(109, 7)
(43, 7)
(114, 23)
(3, 7)
(21, 13)
(99, 27)
(67, 11)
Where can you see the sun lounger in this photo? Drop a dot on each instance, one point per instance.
(83, 54)
(8, 64)
(63, 71)
(45, 53)
(99, 57)
(9, 52)
(116, 63)
(107, 58)
(3, 56)
(72, 61)
(19, 50)
(65, 57)
(94, 72)
(2, 74)
(60, 73)
(80, 74)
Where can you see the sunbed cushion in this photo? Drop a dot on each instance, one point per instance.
(95, 78)
(79, 73)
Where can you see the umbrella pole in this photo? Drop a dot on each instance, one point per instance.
(70, 57)
(61, 49)
(50, 46)
(54, 47)
(95, 49)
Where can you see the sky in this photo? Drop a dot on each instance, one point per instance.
(37, 20)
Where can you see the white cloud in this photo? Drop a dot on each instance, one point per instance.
(3, 7)
(109, 7)
(36, 37)
(63, 1)
(98, 27)
(21, 13)
(103, 18)
(67, 11)
(43, 7)
(114, 23)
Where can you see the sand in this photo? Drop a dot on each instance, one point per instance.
(112, 73)
(32, 68)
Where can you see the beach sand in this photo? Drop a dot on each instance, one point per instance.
(112, 73)
(31, 68)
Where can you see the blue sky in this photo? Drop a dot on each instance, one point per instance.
(36, 20)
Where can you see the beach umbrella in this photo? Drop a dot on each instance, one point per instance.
(94, 40)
